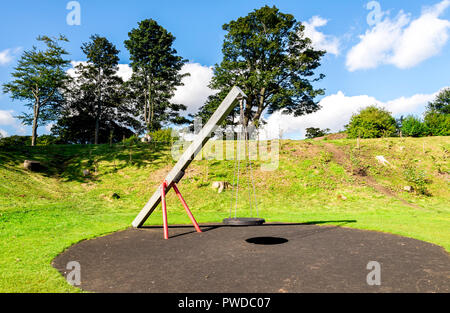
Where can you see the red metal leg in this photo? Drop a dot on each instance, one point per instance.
(164, 210)
(197, 228)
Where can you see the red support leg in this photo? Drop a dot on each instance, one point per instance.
(197, 228)
(164, 210)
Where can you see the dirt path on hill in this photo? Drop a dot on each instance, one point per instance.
(344, 160)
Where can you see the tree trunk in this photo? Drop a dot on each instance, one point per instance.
(35, 124)
(150, 102)
(99, 108)
(97, 126)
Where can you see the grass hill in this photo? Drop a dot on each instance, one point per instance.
(324, 181)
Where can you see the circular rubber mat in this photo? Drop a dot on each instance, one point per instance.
(221, 259)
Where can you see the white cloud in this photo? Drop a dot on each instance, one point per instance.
(195, 90)
(48, 127)
(3, 133)
(5, 57)
(337, 110)
(193, 94)
(124, 71)
(6, 118)
(320, 40)
(400, 41)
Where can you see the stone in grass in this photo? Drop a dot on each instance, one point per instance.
(115, 196)
(342, 197)
(86, 173)
(408, 188)
(33, 166)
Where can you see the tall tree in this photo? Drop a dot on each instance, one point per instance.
(102, 66)
(268, 56)
(156, 74)
(39, 79)
(95, 106)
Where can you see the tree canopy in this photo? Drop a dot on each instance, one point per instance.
(156, 74)
(371, 122)
(94, 109)
(267, 54)
(437, 116)
(39, 80)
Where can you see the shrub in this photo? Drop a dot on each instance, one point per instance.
(133, 140)
(313, 132)
(417, 179)
(15, 141)
(371, 122)
(413, 127)
(438, 124)
(162, 135)
(437, 116)
(47, 140)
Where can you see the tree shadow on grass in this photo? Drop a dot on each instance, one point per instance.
(67, 162)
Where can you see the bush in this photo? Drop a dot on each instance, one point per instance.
(417, 179)
(438, 124)
(437, 116)
(133, 140)
(163, 135)
(371, 122)
(15, 141)
(47, 140)
(413, 127)
(313, 132)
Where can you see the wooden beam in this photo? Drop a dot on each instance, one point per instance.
(202, 137)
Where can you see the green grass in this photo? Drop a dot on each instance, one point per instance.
(41, 214)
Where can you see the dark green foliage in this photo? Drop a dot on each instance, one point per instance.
(15, 141)
(413, 127)
(95, 111)
(371, 122)
(267, 55)
(437, 124)
(156, 74)
(442, 102)
(437, 116)
(39, 79)
(48, 140)
(313, 132)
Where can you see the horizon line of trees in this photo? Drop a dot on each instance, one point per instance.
(265, 53)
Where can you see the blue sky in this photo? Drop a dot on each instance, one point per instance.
(392, 53)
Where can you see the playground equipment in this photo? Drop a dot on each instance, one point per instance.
(177, 173)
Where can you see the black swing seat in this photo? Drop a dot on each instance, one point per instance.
(243, 221)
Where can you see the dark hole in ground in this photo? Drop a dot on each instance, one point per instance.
(267, 240)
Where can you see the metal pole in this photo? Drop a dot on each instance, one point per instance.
(164, 210)
(189, 213)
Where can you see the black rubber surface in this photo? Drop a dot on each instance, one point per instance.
(313, 259)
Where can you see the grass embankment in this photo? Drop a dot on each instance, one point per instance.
(41, 214)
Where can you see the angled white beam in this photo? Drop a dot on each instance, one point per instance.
(202, 137)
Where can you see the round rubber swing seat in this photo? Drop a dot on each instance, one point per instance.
(244, 221)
